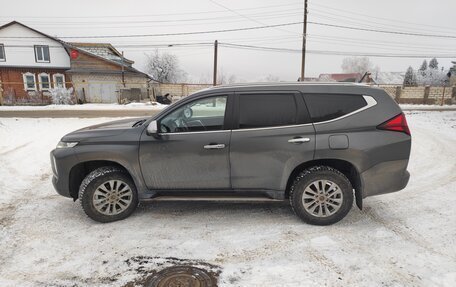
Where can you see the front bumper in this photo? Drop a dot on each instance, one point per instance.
(386, 177)
(62, 160)
(62, 187)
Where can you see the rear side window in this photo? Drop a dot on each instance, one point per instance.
(325, 107)
(266, 110)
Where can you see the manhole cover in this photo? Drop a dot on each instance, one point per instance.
(181, 276)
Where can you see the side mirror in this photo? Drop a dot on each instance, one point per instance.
(152, 128)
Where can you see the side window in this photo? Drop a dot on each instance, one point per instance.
(59, 80)
(206, 114)
(325, 107)
(2, 53)
(29, 82)
(42, 54)
(44, 81)
(266, 110)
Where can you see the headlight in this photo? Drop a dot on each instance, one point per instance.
(66, 144)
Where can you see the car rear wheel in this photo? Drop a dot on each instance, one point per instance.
(321, 195)
(108, 194)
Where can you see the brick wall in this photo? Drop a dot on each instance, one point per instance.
(421, 95)
(407, 95)
(180, 90)
(12, 86)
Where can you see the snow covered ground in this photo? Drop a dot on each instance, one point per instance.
(402, 239)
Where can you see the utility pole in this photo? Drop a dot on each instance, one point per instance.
(304, 36)
(123, 70)
(214, 83)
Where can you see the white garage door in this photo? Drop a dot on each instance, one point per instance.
(102, 93)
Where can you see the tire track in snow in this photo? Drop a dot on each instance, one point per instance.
(436, 154)
(286, 242)
(267, 249)
(401, 231)
(404, 278)
(15, 149)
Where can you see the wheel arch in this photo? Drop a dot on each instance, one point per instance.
(79, 171)
(345, 167)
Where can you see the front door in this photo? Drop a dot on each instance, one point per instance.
(273, 136)
(192, 149)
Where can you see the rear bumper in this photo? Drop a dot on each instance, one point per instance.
(385, 177)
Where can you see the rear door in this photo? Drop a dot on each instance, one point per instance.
(272, 135)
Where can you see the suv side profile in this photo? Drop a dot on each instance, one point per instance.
(320, 146)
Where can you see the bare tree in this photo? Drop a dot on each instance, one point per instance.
(359, 65)
(423, 67)
(272, 78)
(164, 67)
(224, 78)
(433, 64)
(410, 77)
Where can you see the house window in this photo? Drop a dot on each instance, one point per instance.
(2, 53)
(44, 81)
(29, 82)
(59, 81)
(42, 54)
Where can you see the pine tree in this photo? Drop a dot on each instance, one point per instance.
(410, 77)
(433, 64)
(424, 66)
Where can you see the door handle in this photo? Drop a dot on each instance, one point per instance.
(299, 140)
(214, 146)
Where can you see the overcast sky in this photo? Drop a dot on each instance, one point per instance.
(111, 17)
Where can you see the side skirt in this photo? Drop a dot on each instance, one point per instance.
(243, 194)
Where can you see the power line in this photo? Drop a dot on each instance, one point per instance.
(269, 14)
(174, 45)
(340, 53)
(271, 49)
(376, 44)
(149, 15)
(162, 34)
(382, 31)
(247, 17)
(242, 29)
(369, 17)
(366, 23)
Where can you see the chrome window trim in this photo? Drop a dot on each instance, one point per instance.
(370, 103)
(271, 128)
(369, 100)
(201, 132)
(239, 130)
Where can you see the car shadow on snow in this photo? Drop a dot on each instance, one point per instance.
(262, 212)
(230, 211)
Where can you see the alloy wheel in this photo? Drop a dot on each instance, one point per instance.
(322, 198)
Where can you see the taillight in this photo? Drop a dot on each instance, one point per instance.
(396, 124)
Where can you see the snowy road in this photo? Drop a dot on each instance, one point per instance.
(402, 239)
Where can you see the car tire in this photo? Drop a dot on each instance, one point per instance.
(321, 195)
(108, 194)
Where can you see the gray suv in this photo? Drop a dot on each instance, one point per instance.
(320, 146)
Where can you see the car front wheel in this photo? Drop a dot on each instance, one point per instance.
(321, 195)
(108, 194)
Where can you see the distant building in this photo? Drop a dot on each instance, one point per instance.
(32, 63)
(100, 74)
